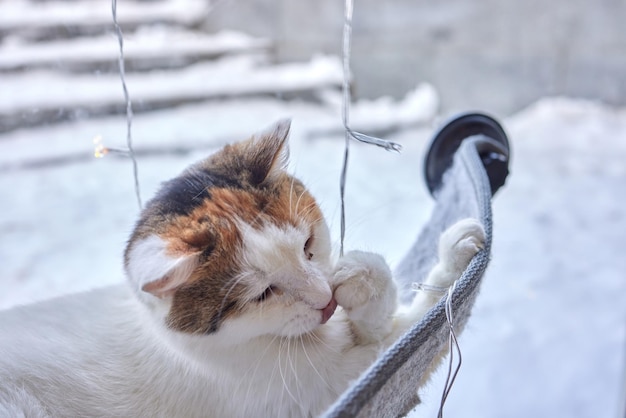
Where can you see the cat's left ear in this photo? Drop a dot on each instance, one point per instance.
(153, 270)
(269, 152)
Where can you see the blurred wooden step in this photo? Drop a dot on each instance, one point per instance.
(64, 19)
(149, 48)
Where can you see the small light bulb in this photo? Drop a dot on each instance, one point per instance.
(99, 150)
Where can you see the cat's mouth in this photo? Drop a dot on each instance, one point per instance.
(329, 310)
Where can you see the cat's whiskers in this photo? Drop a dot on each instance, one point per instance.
(318, 346)
(231, 285)
(271, 379)
(306, 210)
(276, 361)
(257, 364)
(291, 196)
(282, 374)
(298, 201)
(316, 338)
(284, 341)
(292, 364)
(286, 377)
(238, 278)
(306, 354)
(192, 184)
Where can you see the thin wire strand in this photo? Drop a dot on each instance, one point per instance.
(345, 116)
(345, 113)
(453, 345)
(129, 107)
(429, 288)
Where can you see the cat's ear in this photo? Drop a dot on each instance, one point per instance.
(153, 270)
(174, 277)
(269, 152)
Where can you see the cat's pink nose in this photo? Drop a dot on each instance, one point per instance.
(329, 310)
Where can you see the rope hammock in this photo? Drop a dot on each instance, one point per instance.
(466, 164)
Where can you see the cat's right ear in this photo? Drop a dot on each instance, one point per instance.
(269, 152)
(151, 269)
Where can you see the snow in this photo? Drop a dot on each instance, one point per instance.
(20, 14)
(418, 106)
(232, 76)
(148, 43)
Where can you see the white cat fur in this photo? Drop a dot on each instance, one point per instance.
(105, 353)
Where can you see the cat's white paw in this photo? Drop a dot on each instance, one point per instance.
(363, 278)
(458, 244)
(364, 288)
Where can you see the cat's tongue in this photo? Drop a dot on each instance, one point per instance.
(329, 310)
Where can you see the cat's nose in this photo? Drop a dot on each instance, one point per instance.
(329, 310)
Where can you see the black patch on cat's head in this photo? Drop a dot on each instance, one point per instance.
(244, 165)
(181, 195)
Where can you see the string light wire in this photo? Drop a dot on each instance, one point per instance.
(129, 152)
(345, 116)
(453, 346)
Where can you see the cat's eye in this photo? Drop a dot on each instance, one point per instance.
(307, 248)
(266, 293)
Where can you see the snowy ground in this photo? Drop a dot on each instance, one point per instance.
(547, 336)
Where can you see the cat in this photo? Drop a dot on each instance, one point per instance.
(234, 305)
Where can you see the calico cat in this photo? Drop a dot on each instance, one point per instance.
(235, 308)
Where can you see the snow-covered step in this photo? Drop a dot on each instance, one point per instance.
(55, 18)
(39, 97)
(148, 48)
(210, 124)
